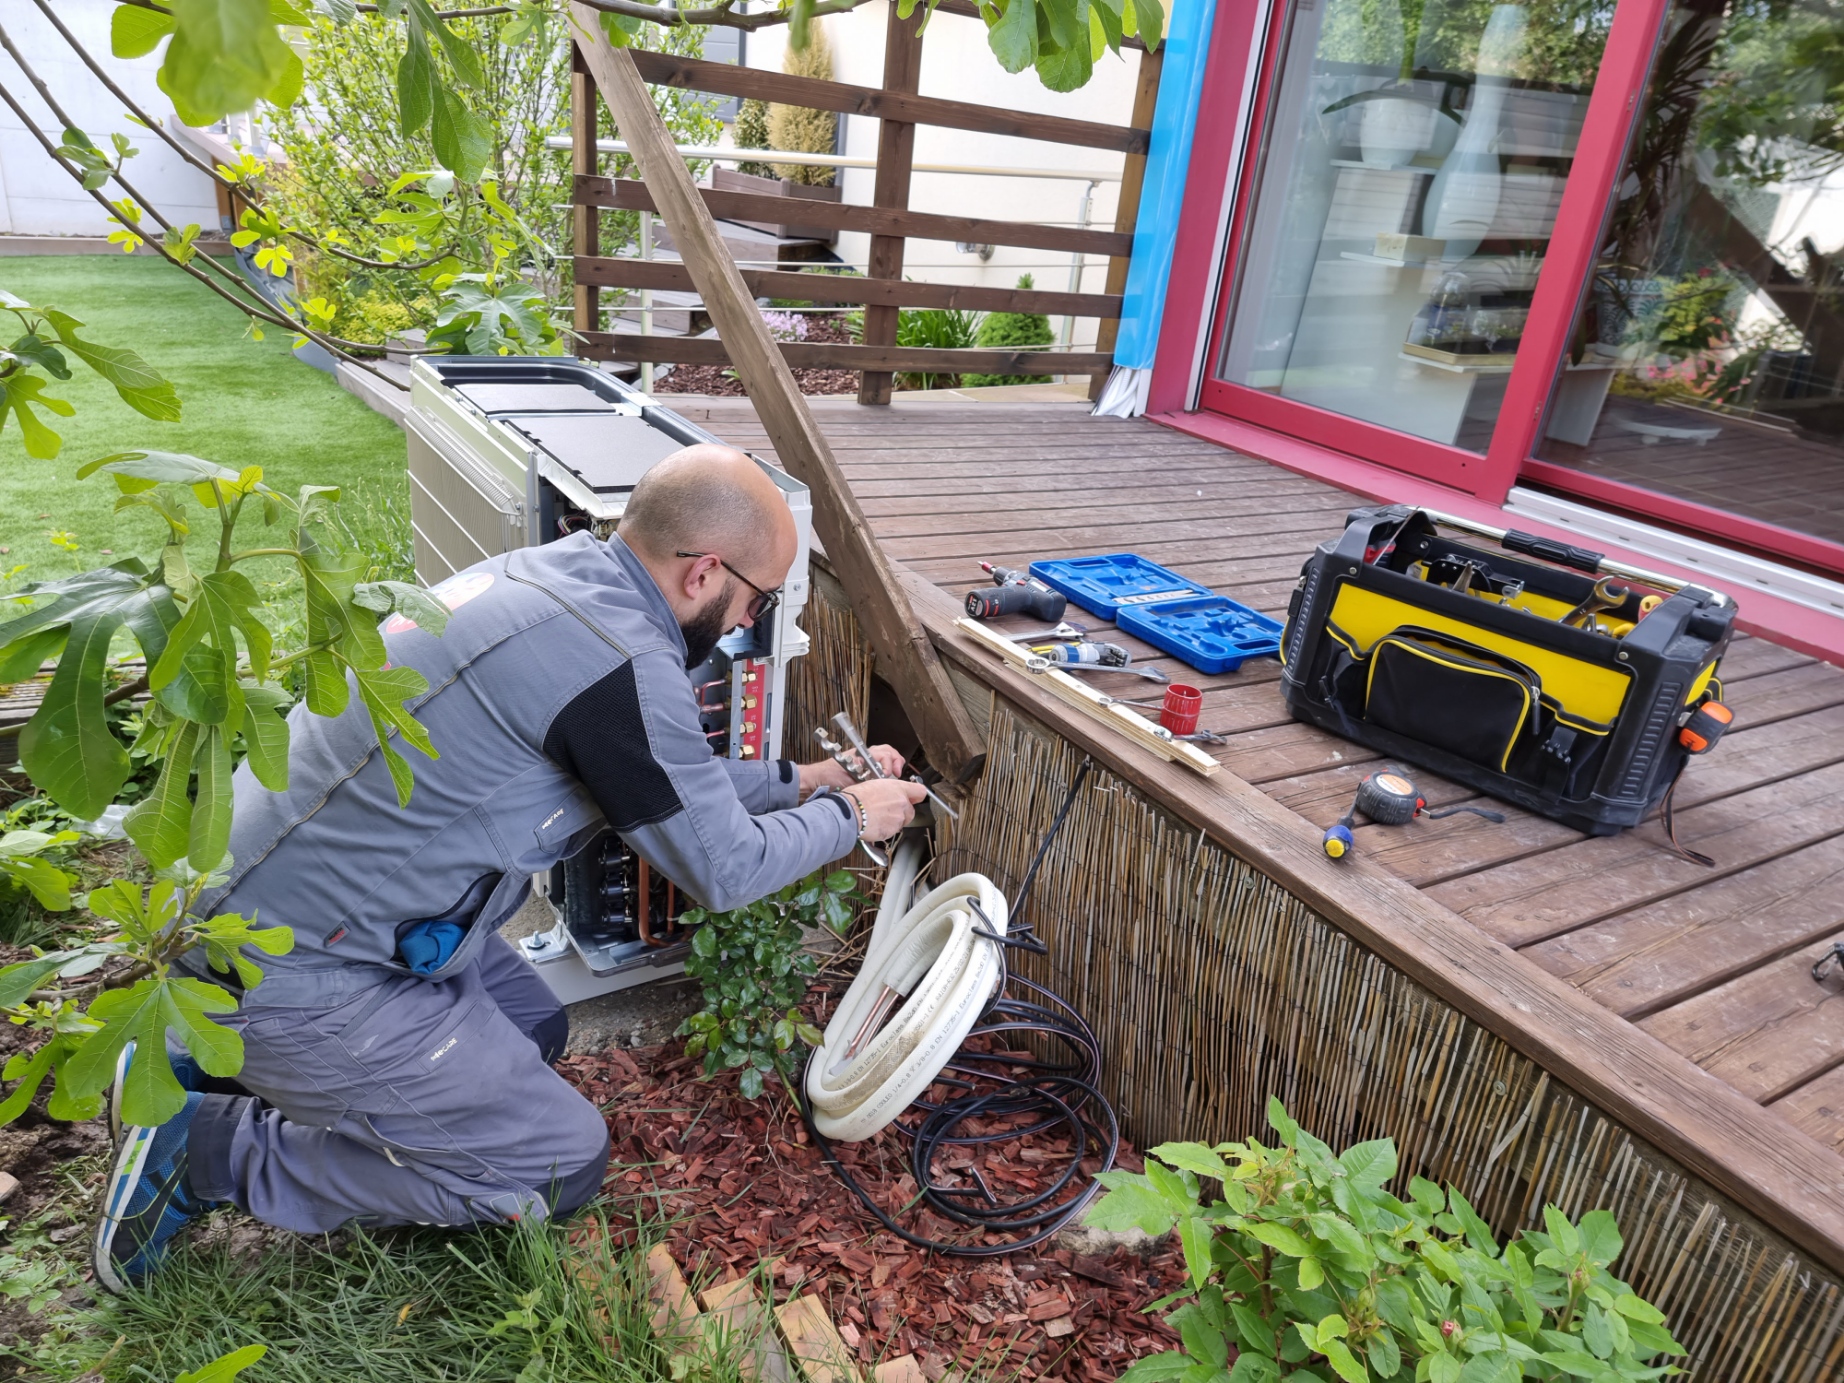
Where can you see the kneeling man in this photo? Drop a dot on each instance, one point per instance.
(397, 1061)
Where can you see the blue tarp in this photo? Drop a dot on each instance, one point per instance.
(1175, 117)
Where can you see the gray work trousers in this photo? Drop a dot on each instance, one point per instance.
(413, 1103)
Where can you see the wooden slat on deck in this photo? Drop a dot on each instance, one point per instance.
(1712, 962)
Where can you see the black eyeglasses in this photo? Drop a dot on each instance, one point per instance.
(764, 600)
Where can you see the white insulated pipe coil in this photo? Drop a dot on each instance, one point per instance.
(927, 953)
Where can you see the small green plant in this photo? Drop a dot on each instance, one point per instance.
(937, 328)
(213, 675)
(754, 972)
(35, 1281)
(1309, 1269)
(1009, 331)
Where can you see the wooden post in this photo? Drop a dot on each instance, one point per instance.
(586, 226)
(896, 151)
(1133, 177)
(904, 653)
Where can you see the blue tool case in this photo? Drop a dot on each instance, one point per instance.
(1212, 633)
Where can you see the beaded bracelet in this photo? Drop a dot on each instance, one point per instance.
(863, 821)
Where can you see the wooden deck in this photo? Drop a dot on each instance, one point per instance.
(1712, 963)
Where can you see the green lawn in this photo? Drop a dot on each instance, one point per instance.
(244, 403)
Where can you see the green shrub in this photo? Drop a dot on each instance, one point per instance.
(346, 150)
(753, 968)
(1311, 1270)
(1009, 330)
(750, 131)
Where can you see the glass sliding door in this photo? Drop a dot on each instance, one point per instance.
(1704, 376)
(1398, 215)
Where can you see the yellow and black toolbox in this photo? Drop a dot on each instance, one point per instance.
(1577, 690)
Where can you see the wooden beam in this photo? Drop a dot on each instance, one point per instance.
(628, 195)
(1127, 213)
(886, 103)
(896, 152)
(704, 350)
(908, 659)
(1755, 1158)
(586, 229)
(665, 275)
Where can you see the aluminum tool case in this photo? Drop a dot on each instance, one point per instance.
(1454, 657)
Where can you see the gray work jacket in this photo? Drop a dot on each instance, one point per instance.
(559, 703)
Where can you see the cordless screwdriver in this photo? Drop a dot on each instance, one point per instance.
(1015, 593)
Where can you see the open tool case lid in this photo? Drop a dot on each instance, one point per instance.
(1104, 585)
(1182, 617)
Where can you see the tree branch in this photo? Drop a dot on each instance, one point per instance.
(338, 345)
(128, 101)
(231, 184)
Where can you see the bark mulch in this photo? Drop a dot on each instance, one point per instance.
(717, 380)
(739, 1182)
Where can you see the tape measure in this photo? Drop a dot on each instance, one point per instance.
(1389, 799)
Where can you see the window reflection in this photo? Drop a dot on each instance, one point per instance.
(1707, 360)
(1413, 162)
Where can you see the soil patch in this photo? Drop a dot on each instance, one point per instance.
(740, 1182)
(35, 1145)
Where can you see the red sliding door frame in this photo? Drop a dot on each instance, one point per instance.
(1204, 260)
(1581, 220)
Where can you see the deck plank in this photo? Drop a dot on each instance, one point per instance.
(1749, 757)
(1640, 961)
(1533, 899)
(1816, 1109)
(1765, 1033)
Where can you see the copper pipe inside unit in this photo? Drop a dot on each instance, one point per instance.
(643, 915)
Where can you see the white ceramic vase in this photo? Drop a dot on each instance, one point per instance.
(1463, 201)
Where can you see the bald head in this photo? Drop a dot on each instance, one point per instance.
(708, 498)
(698, 521)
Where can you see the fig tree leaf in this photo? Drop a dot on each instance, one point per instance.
(1013, 39)
(211, 812)
(67, 748)
(160, 824)
(224, 56)
(135, 32)
(140, 385)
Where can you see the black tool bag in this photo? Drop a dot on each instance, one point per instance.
(1457, 658)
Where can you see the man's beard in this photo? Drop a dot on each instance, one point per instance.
(707, 626)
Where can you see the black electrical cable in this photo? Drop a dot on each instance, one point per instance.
(1057, 1092)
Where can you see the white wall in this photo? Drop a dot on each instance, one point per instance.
(957, 65)
(37, 196)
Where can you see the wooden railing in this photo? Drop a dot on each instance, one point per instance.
(883, 292)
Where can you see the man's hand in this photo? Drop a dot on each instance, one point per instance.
(828, 774)
(889, 804)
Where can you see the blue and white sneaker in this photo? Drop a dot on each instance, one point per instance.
(147, 1199)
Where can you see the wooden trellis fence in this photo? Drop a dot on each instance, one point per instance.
(888, 221)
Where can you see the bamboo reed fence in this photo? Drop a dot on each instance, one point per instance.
(1211, 988)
